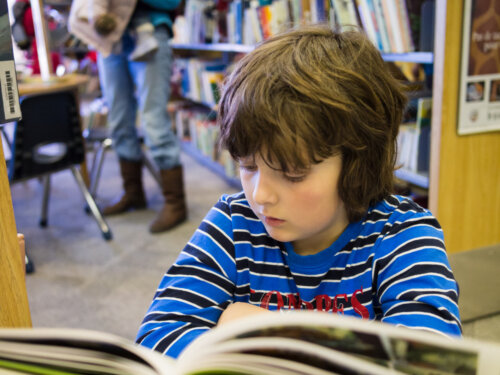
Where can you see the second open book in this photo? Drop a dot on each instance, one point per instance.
(291, 343)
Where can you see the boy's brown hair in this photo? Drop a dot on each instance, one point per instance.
(310, 93)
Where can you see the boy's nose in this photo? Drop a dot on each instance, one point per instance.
(264, 192)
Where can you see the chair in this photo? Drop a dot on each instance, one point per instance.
(48, 139)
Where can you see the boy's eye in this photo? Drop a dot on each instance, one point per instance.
(248, 167)
(295, 177)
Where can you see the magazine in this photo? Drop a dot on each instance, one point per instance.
(298, 342)
(9, 109)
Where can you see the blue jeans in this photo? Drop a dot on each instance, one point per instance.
(129, 86)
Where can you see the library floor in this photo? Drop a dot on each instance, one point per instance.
(82, 281)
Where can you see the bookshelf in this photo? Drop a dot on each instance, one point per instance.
(215, 167)
(464, 171)
(464, 179)
(226, 51)
(14, 305)
(218, 47)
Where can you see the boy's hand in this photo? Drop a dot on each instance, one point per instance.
(239, 310)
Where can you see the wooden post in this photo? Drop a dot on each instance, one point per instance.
(14, 308)
(42, 40)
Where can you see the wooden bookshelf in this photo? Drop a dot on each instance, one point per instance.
(464, 177)
(14, 311)
(464, 182)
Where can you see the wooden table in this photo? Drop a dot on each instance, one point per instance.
(35, 85)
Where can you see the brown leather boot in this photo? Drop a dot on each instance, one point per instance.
(133, 197)
(174, 210)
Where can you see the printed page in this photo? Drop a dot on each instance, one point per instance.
(280, 355)
(406, 350)
(78, 351)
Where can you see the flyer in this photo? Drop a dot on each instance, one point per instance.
(479, 99)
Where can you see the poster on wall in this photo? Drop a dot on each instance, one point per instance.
(479, 99)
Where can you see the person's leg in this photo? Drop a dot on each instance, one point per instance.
(153, 82)
(118, 89)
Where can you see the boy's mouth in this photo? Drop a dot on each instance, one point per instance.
(273, 221)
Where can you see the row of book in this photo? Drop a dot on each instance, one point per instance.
(414, 139)
(197, 126)
(200, 79)
(395, 26)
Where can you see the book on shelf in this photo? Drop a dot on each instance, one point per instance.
(345, 13)
(394, 26)
(424, 116)
(368, 20)
(10, 109)
(298, 342)
(414, 138)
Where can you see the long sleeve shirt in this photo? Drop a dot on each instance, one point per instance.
(390, 266)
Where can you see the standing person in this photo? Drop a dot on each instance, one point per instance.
(138, 86)
(312, 117)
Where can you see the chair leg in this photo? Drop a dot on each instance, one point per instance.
(106, 232)
(30, 267)
(95, 172)
(6, 137)
(45, 201)
(151, 168)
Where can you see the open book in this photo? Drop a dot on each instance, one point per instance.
(301, 342)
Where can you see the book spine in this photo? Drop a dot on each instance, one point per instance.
(296, 12)
(405, 26)
(238, 21)
(264, 13)
(345, 12)
(367, 22)
(314, 11)
(306, 12)
(393, 19)
(382, 27)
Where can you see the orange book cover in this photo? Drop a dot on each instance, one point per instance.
(265, 15)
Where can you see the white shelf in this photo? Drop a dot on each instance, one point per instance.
(417, 179)
(220, 47)
(415, 57)
(204, 160)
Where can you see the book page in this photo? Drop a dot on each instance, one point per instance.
(406, 350)
(78, 351)
(282, 355)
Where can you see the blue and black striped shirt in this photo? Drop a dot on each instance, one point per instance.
(390, 266)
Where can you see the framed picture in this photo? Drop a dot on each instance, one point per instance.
(479, 99)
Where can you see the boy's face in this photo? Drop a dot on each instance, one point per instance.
(302, 208)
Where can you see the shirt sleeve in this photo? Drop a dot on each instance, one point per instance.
(415, 284)
(195, 290)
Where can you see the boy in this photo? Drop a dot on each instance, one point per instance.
(311, 116)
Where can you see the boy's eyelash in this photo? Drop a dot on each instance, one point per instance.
(295, 178)
(248, 167)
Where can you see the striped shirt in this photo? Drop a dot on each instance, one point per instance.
(390, 266)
